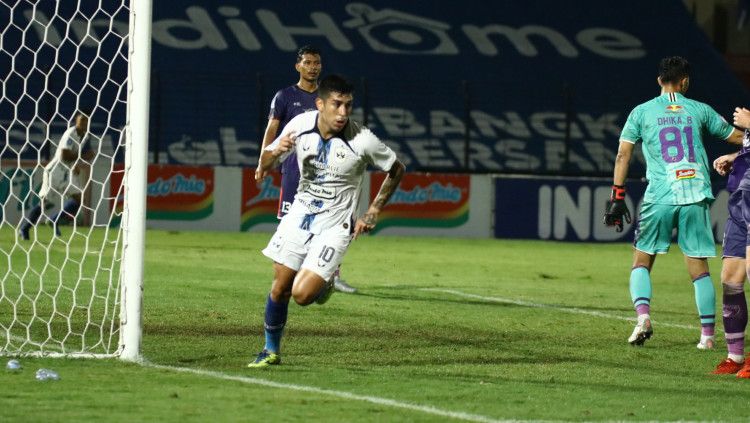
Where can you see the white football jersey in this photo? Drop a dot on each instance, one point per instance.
(70, 141)
(331, 172)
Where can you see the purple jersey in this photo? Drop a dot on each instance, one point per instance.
(739, 178)
(286, 104)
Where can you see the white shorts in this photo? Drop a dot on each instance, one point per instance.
(297, 248)
(59, 180)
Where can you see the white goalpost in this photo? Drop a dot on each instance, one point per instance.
(73, 287)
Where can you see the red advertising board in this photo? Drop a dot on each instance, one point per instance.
(260, 200)
(174, 192)
(425, 200)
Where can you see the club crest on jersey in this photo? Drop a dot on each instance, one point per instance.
(674, 108)
(340, 154)
(685, 173)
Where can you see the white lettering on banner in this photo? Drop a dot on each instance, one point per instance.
(430, 152)
(559, 210)
(242, 32)
(384, 31)
(399, 122)
(199, 21)
(589, 155)
(283, 35)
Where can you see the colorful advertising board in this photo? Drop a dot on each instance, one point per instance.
(425, 200)
(174, 192)
(260, 200)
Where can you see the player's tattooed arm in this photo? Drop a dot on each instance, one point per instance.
(368, 220)
(269, 159)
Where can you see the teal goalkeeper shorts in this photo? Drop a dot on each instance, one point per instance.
(656, 223)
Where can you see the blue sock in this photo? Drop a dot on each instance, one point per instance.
(69, 210)
(31, 218)
(274, 323)
(705, 299)
(640, 289)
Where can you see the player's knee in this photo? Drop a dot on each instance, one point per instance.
(280, 294)
(303, 296)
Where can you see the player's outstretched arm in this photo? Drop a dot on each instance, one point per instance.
(742, 117)
(368, 221)
(723, 164)
(272, 129)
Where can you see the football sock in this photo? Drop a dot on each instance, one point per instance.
(735, 320)
(274, 322)
(32, 217)
(705, 299)
(640, 290)
(69, 210)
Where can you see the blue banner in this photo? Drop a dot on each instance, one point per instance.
(572, 209)
(539, 87)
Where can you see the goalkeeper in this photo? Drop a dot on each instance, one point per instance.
(60, 179)
(678, 195)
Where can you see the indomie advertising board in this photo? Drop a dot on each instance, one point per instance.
(174, 192)
(425, 200)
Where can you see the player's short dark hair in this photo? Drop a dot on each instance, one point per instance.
(673, 69)
(334, 83)
(308, 49)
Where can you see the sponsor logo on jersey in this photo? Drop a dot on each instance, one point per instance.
(340, 154)
(675, 108)
(685, 173)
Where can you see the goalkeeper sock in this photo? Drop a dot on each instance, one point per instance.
(69, 210)
(735, 319)
(705, 299)
(274, 322)
(31, 218)
(640, 290)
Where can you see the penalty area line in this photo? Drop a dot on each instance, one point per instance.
(330, 392)
(572, 310)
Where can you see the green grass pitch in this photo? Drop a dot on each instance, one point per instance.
(441, 330)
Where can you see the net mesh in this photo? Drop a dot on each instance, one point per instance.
(60, 293)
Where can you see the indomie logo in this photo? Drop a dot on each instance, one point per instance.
(434, 192)
(685, 173)
(177, 184)
(268, 191)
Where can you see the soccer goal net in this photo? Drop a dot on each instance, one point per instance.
(73, 116)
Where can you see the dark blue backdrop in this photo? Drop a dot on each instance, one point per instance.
(544, 86)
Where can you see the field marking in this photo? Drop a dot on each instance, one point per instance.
(340, 394)
(573, 310)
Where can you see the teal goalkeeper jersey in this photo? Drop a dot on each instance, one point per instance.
(672, 128)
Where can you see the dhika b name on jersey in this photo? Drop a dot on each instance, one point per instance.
(685, 173)
(674, 120)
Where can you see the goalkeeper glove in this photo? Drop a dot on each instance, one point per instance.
(616, 209)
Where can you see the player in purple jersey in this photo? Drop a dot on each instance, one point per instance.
(735, 245)
(286, 104)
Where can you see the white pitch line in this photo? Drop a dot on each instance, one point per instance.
(572, 310)
(340, 394)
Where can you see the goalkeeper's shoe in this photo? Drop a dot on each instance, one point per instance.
(642, 331)
(23, 234)
(328, 289)
(706, 343)
(728, 367)
(264, 359)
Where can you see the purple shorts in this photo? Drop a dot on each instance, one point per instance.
(289, 184)
(736, 239)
